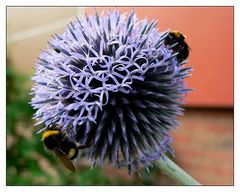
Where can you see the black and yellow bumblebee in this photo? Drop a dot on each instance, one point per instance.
(58, 142)
(176, 41)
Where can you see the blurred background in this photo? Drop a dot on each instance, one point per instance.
(204, 141)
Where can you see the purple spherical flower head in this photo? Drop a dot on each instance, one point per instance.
(111, 81)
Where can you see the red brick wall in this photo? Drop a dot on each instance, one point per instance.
(204, 145)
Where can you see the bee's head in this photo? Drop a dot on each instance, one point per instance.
(53, 127)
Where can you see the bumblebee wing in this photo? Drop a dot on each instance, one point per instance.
(63, 158)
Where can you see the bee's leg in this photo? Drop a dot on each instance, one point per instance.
(84, 146)
(62, 151)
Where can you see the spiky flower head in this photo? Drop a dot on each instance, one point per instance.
(111, 81)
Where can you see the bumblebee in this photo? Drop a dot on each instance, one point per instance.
(176, 41)
(58, 143)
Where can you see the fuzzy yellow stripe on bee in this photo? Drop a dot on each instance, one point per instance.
(176, 33)
(49, 133)
(71, 153)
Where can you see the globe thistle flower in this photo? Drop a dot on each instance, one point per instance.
(111, 81)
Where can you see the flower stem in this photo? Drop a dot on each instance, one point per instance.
(169, 168)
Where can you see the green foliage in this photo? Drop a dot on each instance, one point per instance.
(27, 161)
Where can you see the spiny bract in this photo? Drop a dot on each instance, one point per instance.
(111, 81)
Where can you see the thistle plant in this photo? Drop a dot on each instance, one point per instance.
(110, 80)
